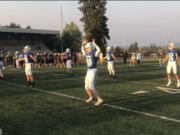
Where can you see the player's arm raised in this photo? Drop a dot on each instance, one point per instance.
(168, 42)
(82, 48)
(98, 50)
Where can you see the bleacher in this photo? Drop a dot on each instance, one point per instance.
(14, 39)
(18, 45)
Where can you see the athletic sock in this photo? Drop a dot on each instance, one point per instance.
(28, 83)
(32, 84)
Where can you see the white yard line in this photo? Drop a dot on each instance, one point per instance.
(107, 105)
(169, 90)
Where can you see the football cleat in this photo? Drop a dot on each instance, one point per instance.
(169, 83)
(89, 100)
(178, 84)
(99, 102)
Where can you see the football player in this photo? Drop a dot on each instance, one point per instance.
(172, 57)
(139, 57)
(101, 58)
(17, 62)
(160, 58)
(38, 59)
(28, 59)
(91, 51)
(1, 64)
(110, 64)
(68, 61)
(133, 59)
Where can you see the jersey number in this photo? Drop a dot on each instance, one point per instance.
(171, 57)
(108, 57)
(26, 59)
(89, 61)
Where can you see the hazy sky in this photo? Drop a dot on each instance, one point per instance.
(143, 21)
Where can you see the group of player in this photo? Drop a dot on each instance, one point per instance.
(91, 52)
(135, 59)
(43, 59)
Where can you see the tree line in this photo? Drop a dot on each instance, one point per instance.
(14, 25)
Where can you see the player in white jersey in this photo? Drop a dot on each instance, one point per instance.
(139, 57)
(110, 61)
(29, 59)
(91, 51)
(172, 57)
(68, 61)
(17, 61)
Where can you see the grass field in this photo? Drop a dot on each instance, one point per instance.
(24, 111)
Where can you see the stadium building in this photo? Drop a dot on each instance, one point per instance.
(14, 39)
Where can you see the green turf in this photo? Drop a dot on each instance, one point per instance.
(27, 112)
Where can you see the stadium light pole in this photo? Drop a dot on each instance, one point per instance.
(124, 42)
(61, 27)
(168, 38)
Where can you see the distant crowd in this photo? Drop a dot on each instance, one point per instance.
(49, 59)
(43, 59)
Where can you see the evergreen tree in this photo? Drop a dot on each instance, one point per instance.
(133, 47)
(117, 51)
(72, 37)
(95, 21)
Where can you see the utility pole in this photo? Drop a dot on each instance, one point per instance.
(124, 42)
(61, 27)
(168, 38)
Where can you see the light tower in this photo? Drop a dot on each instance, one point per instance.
(124, 42)
(61, 27)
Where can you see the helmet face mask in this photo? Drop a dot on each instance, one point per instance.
(27, 49)
(89, 47)
(108, 49)
(171, 46)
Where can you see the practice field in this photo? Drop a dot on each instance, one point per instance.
(133, 103)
